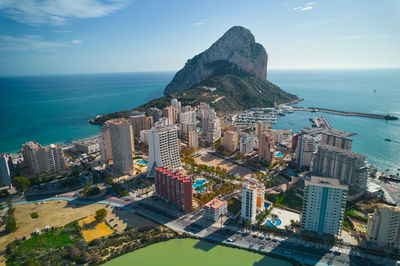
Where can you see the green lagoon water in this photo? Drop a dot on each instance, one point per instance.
(184, 252)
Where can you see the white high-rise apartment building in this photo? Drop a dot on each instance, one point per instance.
(186, 127)
(163, 148)
(5, 171)
(246, 144)
(187, 117)
(349, 167)
(105, 143)
(249, 202)
(305, 150)
(122, 145)
(214, 130)
(194, 139)
(333, 139)
(210, 122)
(40, 159)
(323, 205)
(144, 136)
(383, 228)
(176, 104)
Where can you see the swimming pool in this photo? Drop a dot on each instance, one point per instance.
(199, 182)
(362, 227)
(278, 154)
(141, 161)
(277, 223)
(266, 205)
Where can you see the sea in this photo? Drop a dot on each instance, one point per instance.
(57, 109)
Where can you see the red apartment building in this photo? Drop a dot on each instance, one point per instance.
(173, 187)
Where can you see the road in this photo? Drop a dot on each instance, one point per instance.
(193, 224)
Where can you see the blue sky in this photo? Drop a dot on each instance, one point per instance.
(92, 36)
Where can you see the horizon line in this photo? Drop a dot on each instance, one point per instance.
(169, 71)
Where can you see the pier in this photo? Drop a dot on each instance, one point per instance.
(320, 122)
(337, 112)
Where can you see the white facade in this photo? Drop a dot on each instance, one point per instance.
(349, 167)
(210, 123)
(87, 146)
(188, 117)
(249, 203)
(215, 209)
(40, 159)
(194, 139)
(105, 143)
(283, 137)
(163, 148)
(323, 205)
(336, 140)
(5, 173)
(186, 127)
(383, 227)
(246, 144)
(176, 104)
(122, 145)
(305, 150)
(144, 136)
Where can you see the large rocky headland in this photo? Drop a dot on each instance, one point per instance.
(231, 75)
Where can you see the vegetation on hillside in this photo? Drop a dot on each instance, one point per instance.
(235, 90)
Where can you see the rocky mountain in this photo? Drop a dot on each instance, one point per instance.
(230, 76)
(236, 46)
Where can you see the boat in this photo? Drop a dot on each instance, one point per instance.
(374, 90)
(387, 139)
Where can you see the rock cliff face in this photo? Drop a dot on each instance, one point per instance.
(236, 46)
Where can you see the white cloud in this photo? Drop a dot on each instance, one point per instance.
(57, 12)
(306, 7)
(27, 43)
(76, 42)
(199, 23)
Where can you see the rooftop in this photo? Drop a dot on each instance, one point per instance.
(215, 204)
(346, 152)
(325, 182)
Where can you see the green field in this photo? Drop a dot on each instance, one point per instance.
(183, 252)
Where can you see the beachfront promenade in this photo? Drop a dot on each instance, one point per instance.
(337, 112)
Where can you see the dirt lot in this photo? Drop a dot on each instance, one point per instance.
(212, 160)
(58, 213)
(120, 219)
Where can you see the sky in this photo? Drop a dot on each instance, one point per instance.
(40, 37)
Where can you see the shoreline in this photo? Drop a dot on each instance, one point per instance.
(66, 145)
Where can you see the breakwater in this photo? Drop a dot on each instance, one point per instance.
(337, 112)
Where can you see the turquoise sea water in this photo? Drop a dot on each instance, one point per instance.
(56, 109)
(350, 90)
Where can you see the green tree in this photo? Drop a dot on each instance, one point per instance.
(11, 225)
(293, 222)
(21, 183)
(100, 214)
